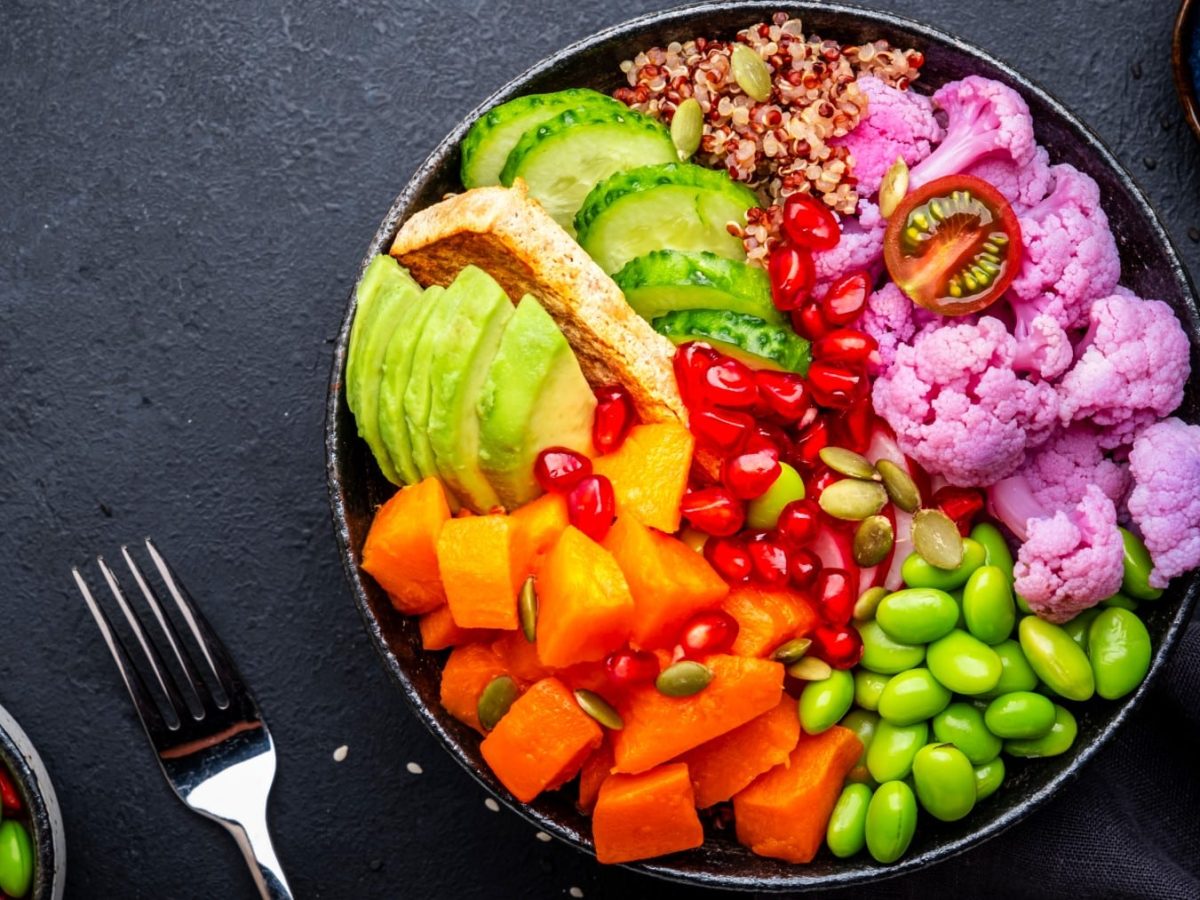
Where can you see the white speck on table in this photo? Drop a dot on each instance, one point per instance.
(340, 753)
(414, 768)
(576, 892)
(543, 837)
(492, 804)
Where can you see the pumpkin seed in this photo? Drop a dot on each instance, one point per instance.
(683, 679)
(687, 127)
(893, 187)
(791, 651)
(935, 537)
(527, 608)
(809, 668)
(873, 541)
(599, 709)
(852, 499)
(847, 462)
(900, 487)
(864, 609)
(751, 73)
(495, 701)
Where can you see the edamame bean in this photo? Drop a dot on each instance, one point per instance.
(1077, 628)
(988, 605)
(1057, 660)
(822, 703)
(1120, 601)
(988, 778)
(1023, 605)
(961, 621)
(995, 548)
(882, 654)
(847, 830)
(891, 821)
(763, 511)
(917, 615)
(1022, 714)
(1136, 581)
(918, 573)
(911, 697)
(945, 781)
(1016, 673)
(1119, 650)
(863, 723)
(1058, 740)
(964, 664)
(890, 756)
(962, 725)
(868, 687)
(16, 859)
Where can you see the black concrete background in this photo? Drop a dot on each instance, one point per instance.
(185, 193)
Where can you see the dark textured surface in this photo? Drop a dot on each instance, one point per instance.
(184, 199)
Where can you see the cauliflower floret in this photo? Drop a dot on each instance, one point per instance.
(1043, 347)
(1060, 472)
(1023, 186)
(892, 319)
(1165, 501)
(860, 248)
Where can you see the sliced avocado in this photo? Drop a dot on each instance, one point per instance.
(758, 344)
(389, 292)
(662, 281)
(534, 397)
(418, 394)
(463, 354)
(397, 367)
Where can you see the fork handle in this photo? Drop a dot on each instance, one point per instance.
(254, 839)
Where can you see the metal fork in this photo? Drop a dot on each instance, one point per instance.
(210, 739)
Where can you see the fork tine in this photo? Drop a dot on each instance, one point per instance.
(143, 703)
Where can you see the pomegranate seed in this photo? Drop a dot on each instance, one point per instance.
(713, 510)
(808, 222)
(839, 645)
(961, 504)
(809, 443)
(803, 568)
(558, 469)
(729, 383)
(846, 298)
(711, 631)
(783, 393)
(626, 667)
(8, 794)
(846, 347)
(614, 415)
(748, 475)
(809, 322)
(792, 276)
(721, 430)
(729, 557)
(591, 506)
(691, 361)
(853, 428)
(835, 596)
(833, 386)
(767, 435)
(821, 478)
(798, 522)
(770, 562)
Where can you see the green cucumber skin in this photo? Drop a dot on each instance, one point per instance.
(723, 283)
(775, 345)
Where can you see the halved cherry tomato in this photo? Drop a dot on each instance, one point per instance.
(953, 245)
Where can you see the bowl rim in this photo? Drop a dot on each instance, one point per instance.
(48, 836)
(1182, 34)
(756, 10)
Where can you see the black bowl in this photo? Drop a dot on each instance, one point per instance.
(1151, 267)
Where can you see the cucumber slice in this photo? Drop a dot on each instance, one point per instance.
(563, 159)
(666, 280)
(496, 132)
(758, 344)
(675, 206)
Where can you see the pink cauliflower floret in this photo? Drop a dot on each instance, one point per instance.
(1130, 368)
(957, 406)
(1060, 472)
(860, 248)
(1043, 346)
(1023, 186)
(897, 124)
(1071, 560)
(1070, 255)
(985, 120)
(892, 319)
(1165, 501)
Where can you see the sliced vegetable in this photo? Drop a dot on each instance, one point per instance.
(475, 560)
(438, 631)
(746, 338)
(727, 764)
(400, 551)
(766, 618)
(468, 671)
(649, 473)
(596, 768)
(663, 281)
(640, 816)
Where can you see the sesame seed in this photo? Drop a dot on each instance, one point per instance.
(543, 837)
(576, 892)
(414, 768)
(340, 753)
(492, 804)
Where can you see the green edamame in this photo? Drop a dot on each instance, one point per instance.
(1077, 628)
(1120, 601)
(911, 697)
(882, 654)
(995, 548)
(16, 859)
(846, 834)
(961, 621)
(863, 723)
(919, 573)
(1119, 650)
(964, 664)
(1016, 674)
(868, 687)
(1022, 715)
(1136, 581)
(917, 615)
(891, 821)
(988, 778)
(890, 756)
(1023, 605)
(945, 781)
(1058, 740)
(988, 606)
(962, 725)
(763, 511)
(823, 702)
(1057, 660)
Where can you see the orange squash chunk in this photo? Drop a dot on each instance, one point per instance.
(467, 672)
(520, 657)
(784, 813)
(400, 551)
(639, 816)
(535, 528)
(725, 765)
(669, 581)
(649, 473)
(438, 631)
(766, 618)
(659, 728)
(585, 610)
(542, 740)
(595, 770)
(474, 555)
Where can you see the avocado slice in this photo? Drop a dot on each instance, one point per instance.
(397, 367)
(386, 291)
(418, 395)
(534, 397)
(463, 352)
